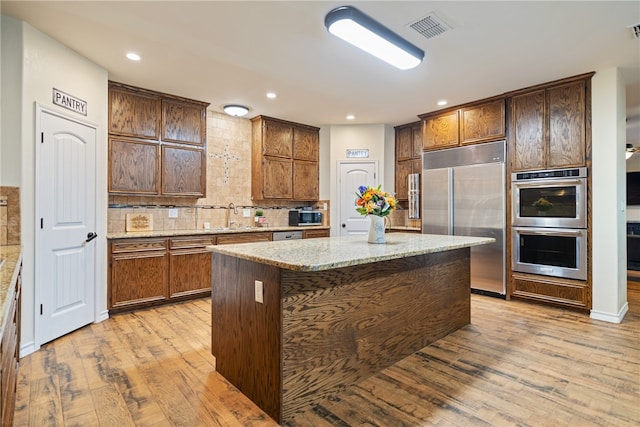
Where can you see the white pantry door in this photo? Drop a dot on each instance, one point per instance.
(351, 176)
(66, 223)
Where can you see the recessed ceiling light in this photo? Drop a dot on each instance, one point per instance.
(350, 117)
(271, 95)
(442, 102)
(133, 56)
(236, 110)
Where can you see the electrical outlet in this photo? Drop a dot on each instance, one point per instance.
(207, 226)
(246, 213)
(259, 291)
(173, 213)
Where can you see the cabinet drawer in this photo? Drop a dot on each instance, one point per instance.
(244, 238)
(138, 246)
(310, 234)
(568, 293)
(191, 242)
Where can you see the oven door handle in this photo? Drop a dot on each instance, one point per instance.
(540, 183)
(552, 233)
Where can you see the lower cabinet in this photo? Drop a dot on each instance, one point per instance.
(190, 267)
(562, 292)
(10, 355)
(310, 234)
(138, 273)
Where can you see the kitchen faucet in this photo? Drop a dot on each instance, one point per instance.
(235, 211)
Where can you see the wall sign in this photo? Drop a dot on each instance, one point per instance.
(69, 102)
(361, 153)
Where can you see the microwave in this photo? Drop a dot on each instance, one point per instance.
(304, 217)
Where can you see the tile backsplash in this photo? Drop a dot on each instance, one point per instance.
(228, 181)
(9, 215)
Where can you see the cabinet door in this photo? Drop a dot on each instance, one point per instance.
(277, 139)
(133, 167)
(305, 144)
(404, 143)
(403, 169)
(183, 122)
(567, 125)
(134, 114)
(305, 180)
(441, 131)
(277, 178)
(183, 171)
(416, 135)
(481, 123)
(416, 166)
(529, 131)
(138, 274)
(189, 273)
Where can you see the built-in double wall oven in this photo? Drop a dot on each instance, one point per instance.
(549, 219)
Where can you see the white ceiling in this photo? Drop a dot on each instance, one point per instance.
(236, 51)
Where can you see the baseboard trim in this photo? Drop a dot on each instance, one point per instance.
(608, 317)
(104, 315)
(28, 348)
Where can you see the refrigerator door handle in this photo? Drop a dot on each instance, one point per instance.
(450, 206)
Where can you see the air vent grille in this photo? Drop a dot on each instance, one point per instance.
(635, 29)
(430, 26)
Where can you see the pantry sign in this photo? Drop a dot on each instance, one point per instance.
(69, 102)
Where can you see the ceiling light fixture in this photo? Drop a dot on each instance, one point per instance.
(236, 110)
(271, 95)
(442, 102)
(350, 117)
(364, 32)
(133, 56)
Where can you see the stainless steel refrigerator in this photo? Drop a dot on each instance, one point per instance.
(463, 193)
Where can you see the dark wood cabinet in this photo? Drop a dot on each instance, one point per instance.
(134, 113)
(477, 122)
(284, 162)
(134, 166)
(227, 239)
(314, 234)
(483, 122)
(183, 171)
(157, 143)
(441, 131)
(10, 351)
(408, 156)
(190, 267)
(183, 122)
(552, 290)
(138, 273)
(549, 126)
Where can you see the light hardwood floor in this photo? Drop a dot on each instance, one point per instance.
(517, 364)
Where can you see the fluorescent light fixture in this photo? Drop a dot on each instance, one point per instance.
(364, 32)
(236, 110)
(133, 56)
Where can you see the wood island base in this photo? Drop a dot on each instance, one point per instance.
(318, 332)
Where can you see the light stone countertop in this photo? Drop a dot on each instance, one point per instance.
(12, 255)
(211, 231)
(336, 252)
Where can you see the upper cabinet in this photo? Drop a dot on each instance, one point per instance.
(549, 126)
(408, 156)
(157, 143)
(483, 121)
(284, 163)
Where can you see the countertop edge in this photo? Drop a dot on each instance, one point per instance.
(210, 232)
(229, 250)
(7, 288)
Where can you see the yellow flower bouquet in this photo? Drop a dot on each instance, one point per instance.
(374, 201)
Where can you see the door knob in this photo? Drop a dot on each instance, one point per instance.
(91, 236)
(344, 225)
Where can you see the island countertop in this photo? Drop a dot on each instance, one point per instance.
(337, 252)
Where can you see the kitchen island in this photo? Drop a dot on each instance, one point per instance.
(297, 321)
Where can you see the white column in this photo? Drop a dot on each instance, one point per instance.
(609, 200)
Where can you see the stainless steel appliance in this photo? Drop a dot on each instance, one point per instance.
(414, 195)
(463, 193)
(304, 216)
(560, 252)
(286, 235)
(550, 198)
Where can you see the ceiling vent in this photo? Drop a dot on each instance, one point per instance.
(635, 29)
(430, 26)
